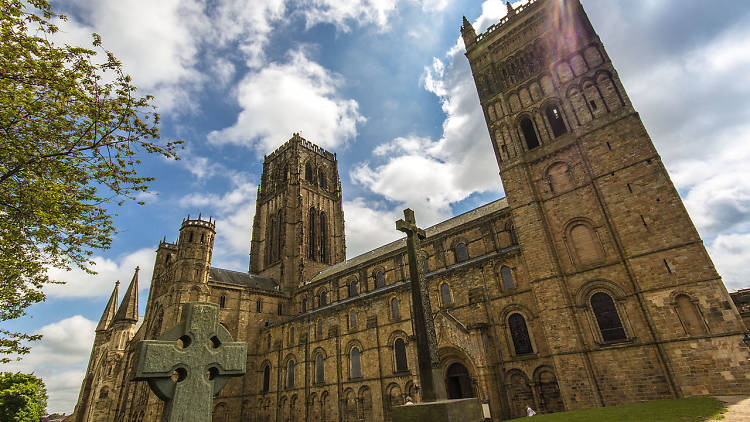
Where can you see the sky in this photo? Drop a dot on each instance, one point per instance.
(385, 85)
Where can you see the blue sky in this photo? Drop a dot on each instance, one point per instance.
(385, 85)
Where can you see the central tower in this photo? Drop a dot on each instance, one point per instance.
(298, 228)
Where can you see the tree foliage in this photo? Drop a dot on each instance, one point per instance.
(72, 131)
(23, 397)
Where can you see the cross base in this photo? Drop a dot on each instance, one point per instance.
(463, 410)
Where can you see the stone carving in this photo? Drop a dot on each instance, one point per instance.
(430, 375)
(190, 363)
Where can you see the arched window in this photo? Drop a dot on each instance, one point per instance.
(323, 182)
(379, 279)
(512, 233)
(356, 364)
(290, 374)
(353, 288)
(323, 298)
(258, 306)
(606, 316)
(445, 294)
(266, 378)
(529, 133)
(586, 245)
(323, 238)
(268, 342)
(399, 351)
(554, 116)
(103, 393)
(309, 173)
(689, 316)
(312, 238)
(222, 301)
(319, 369)
(462, 252)
(291, 336)
(507, 275)
(520, 334)
(319, 329)
(352, 319)
(394, 309)
(304, 305)
(279, 233)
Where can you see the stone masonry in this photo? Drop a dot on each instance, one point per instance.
(587, 285)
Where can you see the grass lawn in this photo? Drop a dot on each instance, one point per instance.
(693, 409)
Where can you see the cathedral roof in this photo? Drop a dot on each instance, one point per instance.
(242, 279)
(438, 228)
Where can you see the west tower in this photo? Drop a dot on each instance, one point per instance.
(621, 278)
(298, 228)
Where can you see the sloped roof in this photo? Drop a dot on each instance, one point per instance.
(431, 231)
(242, 279)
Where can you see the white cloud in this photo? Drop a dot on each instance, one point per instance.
(81, 284)
(296, 96)
(368, 226)
(157, 42)
(731, 253)
(60, 359)
(430, 175)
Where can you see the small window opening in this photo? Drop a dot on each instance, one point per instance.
(593, 104)
(528, 132)
(609, 147)
(630, 188)
(258, 306)
(279, 309)
(190, 237)
(203, 239)
(666, 264)
(222, 302)
(555, 120)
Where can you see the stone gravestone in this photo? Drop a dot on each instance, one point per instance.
(435, 406)
(190, 363)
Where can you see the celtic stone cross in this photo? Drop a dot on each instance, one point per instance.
(190, 363)
(430, 375)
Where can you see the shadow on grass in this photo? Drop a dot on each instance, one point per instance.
(694, 409)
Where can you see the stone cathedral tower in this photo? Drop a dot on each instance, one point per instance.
(590, 196)
(298, 228)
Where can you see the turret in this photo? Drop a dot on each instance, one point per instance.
(468, 33)
(194, 249)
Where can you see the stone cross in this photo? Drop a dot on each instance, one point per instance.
(430, 374)
(190, 363)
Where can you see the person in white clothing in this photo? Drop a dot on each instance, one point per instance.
(530, 411)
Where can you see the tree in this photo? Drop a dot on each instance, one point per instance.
(72, 134)
(23, 397)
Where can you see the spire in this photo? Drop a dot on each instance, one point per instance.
(109, 311)
(511, 11)
(468, 33)
(129, 307)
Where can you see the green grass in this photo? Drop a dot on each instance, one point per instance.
(693, 409)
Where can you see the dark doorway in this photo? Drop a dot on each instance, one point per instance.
(458, 383)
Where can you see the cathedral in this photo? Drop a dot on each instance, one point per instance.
(587, 285)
